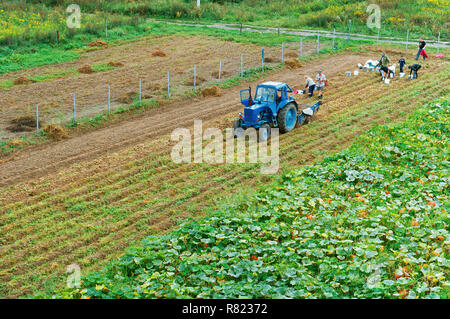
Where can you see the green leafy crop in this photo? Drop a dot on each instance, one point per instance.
(369, 222)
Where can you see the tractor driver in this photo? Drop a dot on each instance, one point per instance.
(278, 96)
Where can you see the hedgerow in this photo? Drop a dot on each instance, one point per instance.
(369, 222)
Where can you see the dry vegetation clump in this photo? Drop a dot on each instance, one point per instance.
(199, 80)
(293, 64)
(157, 88)
(127, 98)
(159, 53)
(154, 87)
(21, 80)
(116, 64)
(147, 96)
(271, 60)
(55, 132)
(215, 74)
(98, 43)
(14, 143)
(291, 55)
(212, 91)
(50, 105)
(86, 69)
(22, 124)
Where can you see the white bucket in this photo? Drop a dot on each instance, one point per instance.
(392, 75)
(402, 75)
(387, 81)
(356, 73)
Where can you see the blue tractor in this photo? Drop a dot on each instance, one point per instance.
(272, 106)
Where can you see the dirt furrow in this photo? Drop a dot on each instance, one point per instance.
(32, 163)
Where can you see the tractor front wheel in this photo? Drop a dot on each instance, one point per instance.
(287, 118)
(264, 132)
(238, 131)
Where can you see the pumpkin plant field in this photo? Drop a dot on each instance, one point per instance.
(368, 222)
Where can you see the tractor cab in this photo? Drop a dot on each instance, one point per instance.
(269, 99)
(271, 107)
(269, 93)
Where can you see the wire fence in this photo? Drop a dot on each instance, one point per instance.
(166, 82)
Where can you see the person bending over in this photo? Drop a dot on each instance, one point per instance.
(414, 69)
(310, 85)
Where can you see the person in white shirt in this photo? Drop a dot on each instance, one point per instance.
(310, 85)
(321, 80)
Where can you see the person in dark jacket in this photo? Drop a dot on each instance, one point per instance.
(385, 73)
(422, 45)
(310, 85)
(414, 68)
(402, 63)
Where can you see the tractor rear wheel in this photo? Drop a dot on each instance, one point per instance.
(287, 118)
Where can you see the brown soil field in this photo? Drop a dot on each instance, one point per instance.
(137, 60)
(87, 198)
(42, 159)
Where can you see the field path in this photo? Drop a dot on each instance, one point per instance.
(49, 157)
(308, 32)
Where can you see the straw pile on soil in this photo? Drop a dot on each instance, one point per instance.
(22, 124)
(199, 80)
(212, 91)
(127, 98)
(86, 69)
(55, 132)
(159, 53)
(293, 64)
(154, 87)
(147, 96)
(291, 55)
(271, 60)
(215, 74)
(116, 64)
(21, 80)
(98, 43)
(157, 88)
(14, 143)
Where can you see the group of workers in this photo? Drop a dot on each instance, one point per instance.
(385, 70)
(414, 68)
